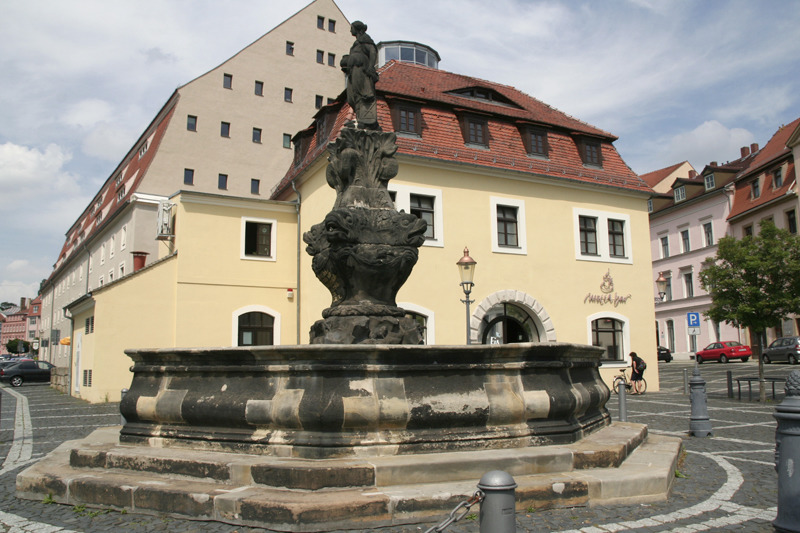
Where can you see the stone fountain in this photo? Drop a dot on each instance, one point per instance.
(365, 426)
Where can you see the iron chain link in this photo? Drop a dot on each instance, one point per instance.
(454, 517)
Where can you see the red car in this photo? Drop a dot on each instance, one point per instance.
(723, 351)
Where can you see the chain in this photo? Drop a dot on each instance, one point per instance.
(466, 504)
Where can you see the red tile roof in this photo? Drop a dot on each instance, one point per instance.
(442, 138)
(772, 154)
(657, 176)
(108, 201)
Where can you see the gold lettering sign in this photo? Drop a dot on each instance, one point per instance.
(607, 294)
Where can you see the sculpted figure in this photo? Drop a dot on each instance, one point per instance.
(359, 67)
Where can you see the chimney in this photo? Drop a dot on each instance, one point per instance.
(745, 151)
(692, 174)
(754, 148)
(139, 259)
(713, 164)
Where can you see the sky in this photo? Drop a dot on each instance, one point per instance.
(675, 80)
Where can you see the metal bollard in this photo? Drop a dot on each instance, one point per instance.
(685, 381)
(498, 507)
(699, 423)
(787, 456)
(730, 383)
(623, 402)
(122, 394)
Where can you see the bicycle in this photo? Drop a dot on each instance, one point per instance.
(623, 379)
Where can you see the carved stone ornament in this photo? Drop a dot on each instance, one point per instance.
(365, 249)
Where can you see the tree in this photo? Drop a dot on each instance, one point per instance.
(14, 345)
(754, 282)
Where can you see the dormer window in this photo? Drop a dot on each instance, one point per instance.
(679, 193)
(590, 152)
(755, 189)
(407, 118)
(709, 181)
(777, 177)
(535, 141)
(484, 94)
(476, 131)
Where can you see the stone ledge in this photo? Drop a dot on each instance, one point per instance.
(402, 492)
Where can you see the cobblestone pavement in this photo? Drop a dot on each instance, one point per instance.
(724, 483)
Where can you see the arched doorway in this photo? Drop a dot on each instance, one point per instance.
(510, 316)
(509, 323)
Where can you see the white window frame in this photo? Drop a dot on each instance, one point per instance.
(522, 238)
(603, 253)
(273, 247)
(402, 202)
(679, 193)
(430, 323)
(123, 239)
(709, 181)
(626, 336)
(276, 322)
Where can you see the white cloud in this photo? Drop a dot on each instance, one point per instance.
(710, 141)
(13, 290)
(108, 142)
(87, 113)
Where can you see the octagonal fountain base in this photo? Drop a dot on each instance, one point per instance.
(317, 438)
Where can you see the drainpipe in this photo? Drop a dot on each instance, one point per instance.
(299, 240)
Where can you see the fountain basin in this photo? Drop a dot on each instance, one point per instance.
(323, 401)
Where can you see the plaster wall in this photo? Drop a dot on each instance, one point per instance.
(265, 60)
(548, 271)
(671, 314)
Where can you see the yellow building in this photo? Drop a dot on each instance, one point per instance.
(556, 221)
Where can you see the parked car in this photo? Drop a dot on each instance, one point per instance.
(782, 349)
(8, 362)
(664, 354)
(723, 351)
(20, 372)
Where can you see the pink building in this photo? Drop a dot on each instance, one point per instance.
(767, 189)
(14, 326)
(687, 219)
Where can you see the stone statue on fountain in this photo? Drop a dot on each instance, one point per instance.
(365, 249)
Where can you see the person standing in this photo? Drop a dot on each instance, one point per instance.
(637, 372)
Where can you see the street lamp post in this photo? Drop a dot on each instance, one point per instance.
(661, 285)
(466, 269)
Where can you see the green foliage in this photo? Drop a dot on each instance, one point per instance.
(48, 499)
(471, 516)
(754, 282)
(13, 346)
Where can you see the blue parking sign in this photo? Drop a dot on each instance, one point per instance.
(693, 319)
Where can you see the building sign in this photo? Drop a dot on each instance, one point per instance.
(607, 294)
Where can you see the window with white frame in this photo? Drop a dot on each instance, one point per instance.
(709, 181)
(123, 237)
(679, 193)
(686, 245)
(664, 247)
(602, 236)
(610, 331)
(426, 204)
(508, 226)
(708, 233)
(258, 239)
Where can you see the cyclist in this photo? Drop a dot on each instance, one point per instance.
(637, 372)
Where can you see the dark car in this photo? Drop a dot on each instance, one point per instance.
(724, 351)
(783, 349)
(664, 354)
(23, 371)
(8, 362)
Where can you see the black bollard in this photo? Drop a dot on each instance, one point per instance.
(498, 507)
(787, 456)
(699, 423)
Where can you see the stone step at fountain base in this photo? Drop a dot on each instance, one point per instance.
(620, 463)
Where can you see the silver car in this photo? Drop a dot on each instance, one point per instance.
(783, 349)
